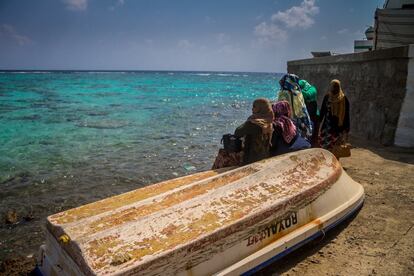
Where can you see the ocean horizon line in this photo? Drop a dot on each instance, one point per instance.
(129, 71)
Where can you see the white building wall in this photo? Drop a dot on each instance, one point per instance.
(404, 135)
(393, 28)
(363, 45)
(397, 4)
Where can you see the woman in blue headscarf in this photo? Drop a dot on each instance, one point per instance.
(290, 92)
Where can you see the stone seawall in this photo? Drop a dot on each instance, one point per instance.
(374, 82)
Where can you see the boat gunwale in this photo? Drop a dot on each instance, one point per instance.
(242, 223)
(219, 172)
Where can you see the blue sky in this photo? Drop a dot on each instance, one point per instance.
(216, 35)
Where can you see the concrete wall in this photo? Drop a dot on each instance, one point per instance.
(374, 82)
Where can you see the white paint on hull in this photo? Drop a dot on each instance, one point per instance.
(346, 194)
(285, 195)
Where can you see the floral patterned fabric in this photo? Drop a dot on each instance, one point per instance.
(227, 159)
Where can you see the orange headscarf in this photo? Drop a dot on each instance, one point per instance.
(262, 115)
(337, 101)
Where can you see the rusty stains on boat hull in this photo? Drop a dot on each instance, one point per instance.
(178, 224)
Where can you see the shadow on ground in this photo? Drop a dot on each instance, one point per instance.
(394, 153)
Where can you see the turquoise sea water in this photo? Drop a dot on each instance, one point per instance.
(68, 138)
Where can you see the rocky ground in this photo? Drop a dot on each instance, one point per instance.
(377, 241)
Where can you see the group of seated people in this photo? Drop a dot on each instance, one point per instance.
(291, 123)
(269, 131)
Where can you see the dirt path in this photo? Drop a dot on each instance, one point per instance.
(379, 240)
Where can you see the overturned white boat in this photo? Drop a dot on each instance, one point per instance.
(215, 222)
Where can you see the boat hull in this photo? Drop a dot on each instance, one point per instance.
(276, 206)
(350, 196)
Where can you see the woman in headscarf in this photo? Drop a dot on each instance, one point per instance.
(257, 132)
(290, 92)
(334, 116)
(285, 137)
(310, 95)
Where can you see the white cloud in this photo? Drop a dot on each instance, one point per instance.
(343, 31)
(76, 5)
(229, 50)
(185, 44)
(9, 31)
(270, 34)
(295, 17)
(298, 16)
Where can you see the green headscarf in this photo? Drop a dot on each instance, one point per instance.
(309, 91)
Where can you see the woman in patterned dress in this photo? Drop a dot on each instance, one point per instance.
(334, 116)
